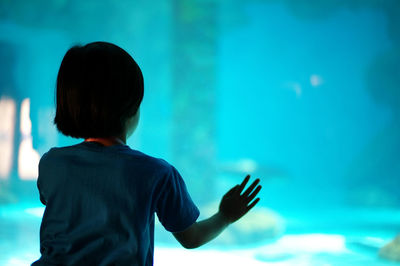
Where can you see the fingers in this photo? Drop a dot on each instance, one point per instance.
(244, 183)
(250, 188)
(252, 204)
(254, 194)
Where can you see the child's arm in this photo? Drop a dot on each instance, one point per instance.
(232, 207)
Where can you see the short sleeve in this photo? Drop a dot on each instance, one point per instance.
(175, 208)
(39, 185)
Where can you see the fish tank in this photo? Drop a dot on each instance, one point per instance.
(304, 95)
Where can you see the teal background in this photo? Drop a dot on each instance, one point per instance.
(228, 84)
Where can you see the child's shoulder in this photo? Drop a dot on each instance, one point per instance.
(123, 152)
(150, 162)
(146, 158)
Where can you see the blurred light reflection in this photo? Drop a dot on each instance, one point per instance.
(28, 158)
(7, 123)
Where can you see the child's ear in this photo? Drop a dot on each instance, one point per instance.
(131, 123)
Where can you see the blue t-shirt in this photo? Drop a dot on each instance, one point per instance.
(100, 204)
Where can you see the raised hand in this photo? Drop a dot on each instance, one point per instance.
(236, 204)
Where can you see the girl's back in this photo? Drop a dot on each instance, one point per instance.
(100, 204)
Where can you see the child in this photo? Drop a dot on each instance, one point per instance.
(101, 195)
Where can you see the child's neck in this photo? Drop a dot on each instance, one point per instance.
(108, 141)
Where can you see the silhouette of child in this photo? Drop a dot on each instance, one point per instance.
(101, 195)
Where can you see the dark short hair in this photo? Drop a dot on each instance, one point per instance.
(99, 87)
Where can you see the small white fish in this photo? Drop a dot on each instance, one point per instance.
(316, 80)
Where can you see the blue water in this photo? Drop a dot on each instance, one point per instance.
(305, 96)
(333, 237)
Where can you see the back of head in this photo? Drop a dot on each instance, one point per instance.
(99, 87)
